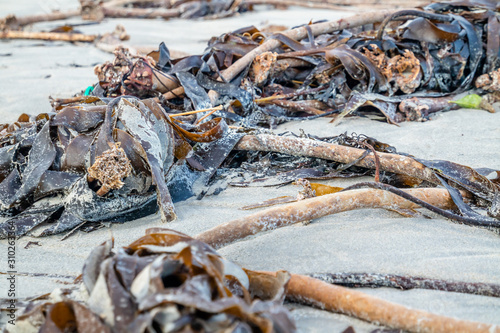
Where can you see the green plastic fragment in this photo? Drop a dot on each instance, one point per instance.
(88, 91)
(471, 101)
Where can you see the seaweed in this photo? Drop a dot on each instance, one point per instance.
(167, 281)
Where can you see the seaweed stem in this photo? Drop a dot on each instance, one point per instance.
(405, 282)
(479, 220)
(311, 291)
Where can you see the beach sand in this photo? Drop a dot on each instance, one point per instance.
(369, 240)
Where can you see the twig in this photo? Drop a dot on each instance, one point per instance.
(141, 12)
(12, 22)
(314, 208)
(312, 148)
(55, 36)
(301, 3)
(196, 111)
(363, 280)
(307, 290)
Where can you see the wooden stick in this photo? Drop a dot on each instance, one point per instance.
(369, 5)
(312, 148)
(54, 36)
(141, 12)
(174, 93)
(13, 21)
(353, 2)
(310, 209)
(196, 111)
(307, 290)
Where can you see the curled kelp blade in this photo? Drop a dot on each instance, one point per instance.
(85, 204)
(465, 177)
(64, 316)
(142, 128)
(40, 158)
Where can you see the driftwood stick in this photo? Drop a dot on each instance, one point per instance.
(404, 282)
(307, 290)
(53, 36)
(300, 3)
(313, 208)
(332, 5)
(13, 21)
(393, 3)
(306, 147)
(141, 12)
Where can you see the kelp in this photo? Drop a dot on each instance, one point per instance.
(94, 163)
(166, 281)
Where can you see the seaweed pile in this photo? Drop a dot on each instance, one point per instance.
(403, 71)
(156, 130)
(166, 281)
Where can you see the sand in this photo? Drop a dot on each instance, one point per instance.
(367, 240)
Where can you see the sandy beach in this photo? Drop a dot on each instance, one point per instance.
(368, 240)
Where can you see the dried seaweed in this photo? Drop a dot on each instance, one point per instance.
(175, 128)
(92, 163)
(424, 55)
(167, 281)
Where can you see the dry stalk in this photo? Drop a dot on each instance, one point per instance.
(141, 12)
(368, 5)
(307, 290)
(407, 282)
(54, 36)
(12, 22)
(314, 208)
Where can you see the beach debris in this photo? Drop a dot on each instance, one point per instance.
(405, 282)
(98, 10)
(109, 169)
(314, 208)
(172, 117)
(167, 281)
(97, 162)
(53, 36)
(329, 68)
(307, 290)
